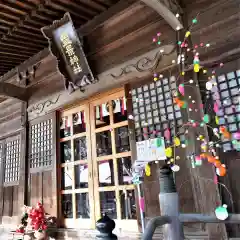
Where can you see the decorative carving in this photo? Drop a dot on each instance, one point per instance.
(40, 107)
(146, 63)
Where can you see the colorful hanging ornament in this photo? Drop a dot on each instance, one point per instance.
(198, 161)
(221, 212)
(217, 120)
(168, 152)
(187, 34)
(236, 135)
(167, 134)
(225, 132)
(196, 63)
(215, 107)
(221, 171)
(177, 141)
(175, 168)
(209, 86)
(206, 118)
(181, 89)
(148, 170)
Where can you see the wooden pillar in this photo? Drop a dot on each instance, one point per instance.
(23, 172)
(205, 190)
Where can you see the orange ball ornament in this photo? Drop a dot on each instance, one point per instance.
(211, 159)
(217, 163)
(221, 171)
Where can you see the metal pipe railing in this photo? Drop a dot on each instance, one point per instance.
(185, 218)
(153, 224)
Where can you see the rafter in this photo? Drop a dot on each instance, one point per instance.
(165, 12)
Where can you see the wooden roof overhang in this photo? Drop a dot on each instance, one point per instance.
(21, 22)
(18, 44)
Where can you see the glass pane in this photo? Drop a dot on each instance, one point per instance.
(67, 178)
(65, 127)
(79, 122)
(128, 204)
(104, 144)
(67, 206)
(122, 139)
(102, 117)
(106, 173)
(119, 110)
(81, 176)
(108, 204)
(65, 148)
(83, 206)
(124, 170)
(80, 149)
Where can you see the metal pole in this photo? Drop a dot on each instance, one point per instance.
(141, 205)
(169, 205)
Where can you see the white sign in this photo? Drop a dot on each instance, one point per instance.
(150, 150)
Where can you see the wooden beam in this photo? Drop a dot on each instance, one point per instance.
(165, 12)
(10, 90)
(20, 42)
(99, 20)
(21, 46)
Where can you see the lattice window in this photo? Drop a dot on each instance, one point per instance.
(227, 94)
(12, 161)
(41, 144)
(154, 110)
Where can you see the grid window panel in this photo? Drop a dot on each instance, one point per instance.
(227, 92)
(158, 111)
(41, 144)
(12, 161)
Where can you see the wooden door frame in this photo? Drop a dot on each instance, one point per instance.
(74, 221)
(99, 98)
(108, 96)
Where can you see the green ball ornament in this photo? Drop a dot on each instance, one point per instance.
(221, 212)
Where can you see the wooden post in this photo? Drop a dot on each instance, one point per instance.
(206, 192)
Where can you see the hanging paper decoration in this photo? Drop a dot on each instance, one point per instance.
(206, 118)
(148, 170)
(168, 152)
(221, 212)
(217, 120)
(167, 134)
(196, 65)
(215, 107)
(198, 161)
(177, 141)
(181, 89)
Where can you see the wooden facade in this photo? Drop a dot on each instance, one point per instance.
(118, 45)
